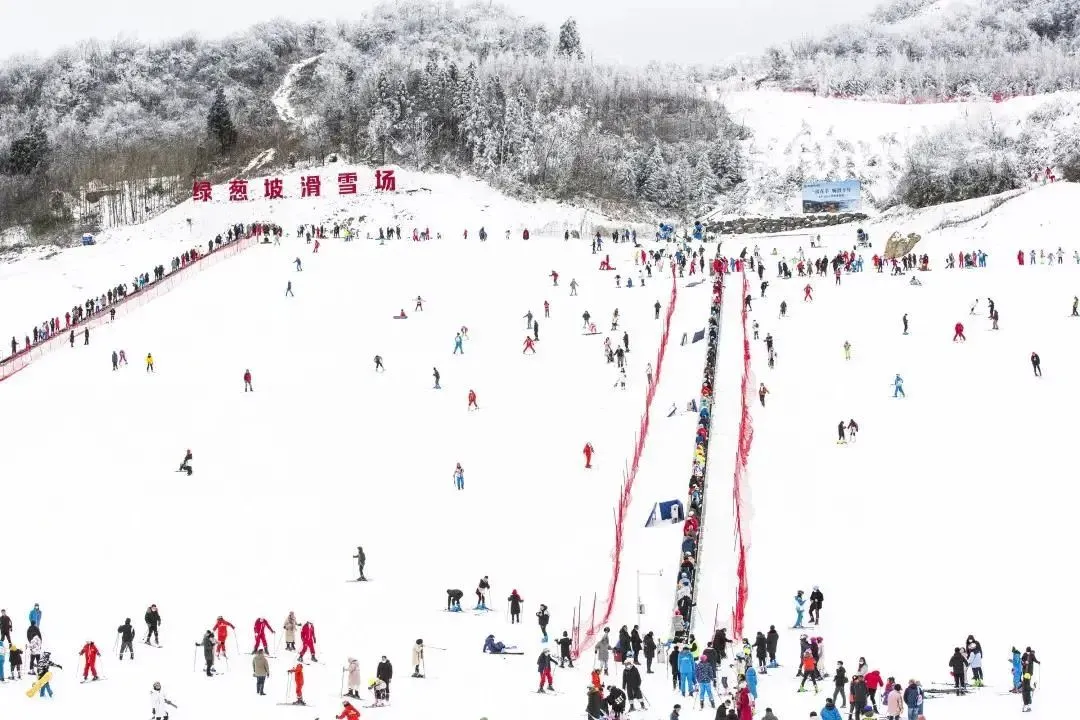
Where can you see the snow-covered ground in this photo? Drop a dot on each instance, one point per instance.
(943, 518)
(326, 455)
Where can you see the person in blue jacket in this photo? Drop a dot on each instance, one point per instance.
(898, 386)
(457, 345)
(829, 712)
(800, 607)
(751, 681)
(705, 674)
(913, 699)
(493, 647)
(1017, 670)
(35, 615)
(686, 672)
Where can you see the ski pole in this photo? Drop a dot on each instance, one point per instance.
(277, 643)
(288, 688)
(116, 643)
(194, 658)
(343, 671)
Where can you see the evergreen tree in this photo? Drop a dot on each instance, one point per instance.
(569, 40)
(29, 155)
(655, 188)
(219, 123)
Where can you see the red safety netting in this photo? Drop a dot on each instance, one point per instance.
(740, 486)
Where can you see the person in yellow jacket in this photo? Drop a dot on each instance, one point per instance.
(149, 362)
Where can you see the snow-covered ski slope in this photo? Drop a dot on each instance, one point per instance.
(326, 455)
(951, 513)
(798, 136)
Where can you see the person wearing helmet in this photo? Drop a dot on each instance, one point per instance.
(380, 691)
(348, 712)
(160, 703)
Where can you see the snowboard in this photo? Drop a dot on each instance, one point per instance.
(36, 687)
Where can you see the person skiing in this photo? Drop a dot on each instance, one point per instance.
(247, 382)
(515, 607)
(185, 466)
(115, 360)
(419, 303)
(761, 393)
(459, 477)
(588, 455)
(800, 606)
(298, 680)
(974, 652)
(261, 626)
(705, 675)
(90, 655)
(435, 374)
(602, 651)
(573, 286)
(898, 386)
(958, 332)
(772, 638)
(299, 265)
(809, 671)
(418, 658)
(544, 663)
(127, 637)
(307, 641)
(528, 345)
(481, 593)
(290, 631)
(808, 293)
(360, 559)
(840, 439)
(348, 712)
(958, 664)
(221, 627)
(536, 330)
(905, 324)
(817, 598)
(542, 619)
(453, 600)
(385, 671)
(565, 644)
(260, 668)
(149, 362)
(458, 344)
(631, 684)
(547, 309)
(152, 619)
(472, 401)
(159, 702)
(847, 350)
(853, 429)
(1036, 364)
(378, 364)
(5, 627)
(656, 310)
(288, 289)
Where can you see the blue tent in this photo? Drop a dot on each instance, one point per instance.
(670, 511)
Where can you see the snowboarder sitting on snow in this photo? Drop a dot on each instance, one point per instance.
(493, 647)
(453, 600)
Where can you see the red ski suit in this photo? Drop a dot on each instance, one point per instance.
(298, 673)
(221, 627)
(959, 332)
(90, 652)
(349, 713)
(588, 455)
(307, 639)
(261, 626)
(472, 400)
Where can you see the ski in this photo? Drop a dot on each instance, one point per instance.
(292, 704)
(97, 679)
(508, 652)
(356, 581)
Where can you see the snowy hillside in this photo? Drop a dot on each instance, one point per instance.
(327, 454)
(798, 136)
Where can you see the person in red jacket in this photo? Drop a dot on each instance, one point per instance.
(261, 626)
(1020, 256)
(247, 381)
(472, 401)
(588, 455)
(349, 712)
(298, 676)
(958, 333)
(745, 710)
(307, 641)
(528, 345)
(873, 682)
(808, 293)
(221, 627)
(90, 653)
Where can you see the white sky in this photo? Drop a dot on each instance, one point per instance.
(631, 31)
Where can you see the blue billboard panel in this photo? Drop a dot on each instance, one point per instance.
(825, 196)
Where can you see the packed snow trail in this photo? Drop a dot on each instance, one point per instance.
(285, 109)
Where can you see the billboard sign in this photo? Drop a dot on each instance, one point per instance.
(825, 196)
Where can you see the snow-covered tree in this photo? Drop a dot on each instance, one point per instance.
(569, 40)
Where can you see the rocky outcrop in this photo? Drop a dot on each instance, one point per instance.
(768, 225)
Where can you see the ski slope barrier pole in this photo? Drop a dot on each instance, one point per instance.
(133, 301)
(626, 492)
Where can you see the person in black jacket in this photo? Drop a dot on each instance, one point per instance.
(673, 661)
(5, 627)
(624, 643)
(208, 651)
(648, 646)
(840, 680)
(859, 696)
(32, 632)
(635, 644)
(616, 701)
(515, 607)
(127, 635)
(720, 642)
(564, 644)
(152, 620)
(631, 683)
(771, 639)
(385, 672)
(1036, 364)
(817, 599)
(542, 619)
(761, 649)
(958, 663)
(594, 706)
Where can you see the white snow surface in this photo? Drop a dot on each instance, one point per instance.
(281, 100)
(326, 455)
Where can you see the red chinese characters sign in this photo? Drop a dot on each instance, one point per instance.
(310, 186)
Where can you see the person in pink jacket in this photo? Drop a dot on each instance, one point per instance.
(895, 704)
